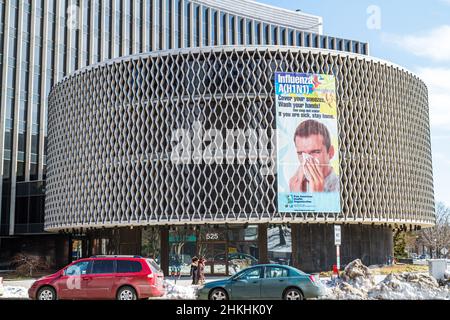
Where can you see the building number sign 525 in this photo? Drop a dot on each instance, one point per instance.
(212, 236)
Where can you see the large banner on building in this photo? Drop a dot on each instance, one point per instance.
(307, 143)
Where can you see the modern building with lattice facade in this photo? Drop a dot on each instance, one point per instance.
(156, 77)
(114, 128)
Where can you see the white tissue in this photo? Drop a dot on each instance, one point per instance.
(306, 156)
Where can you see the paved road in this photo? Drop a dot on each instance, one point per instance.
(182, 282)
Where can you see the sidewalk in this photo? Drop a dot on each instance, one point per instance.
(16, 289)
(187, 281)
(19, 283)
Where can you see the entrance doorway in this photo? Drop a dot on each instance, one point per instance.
(216, 257)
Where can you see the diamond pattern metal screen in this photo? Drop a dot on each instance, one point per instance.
(111, 125)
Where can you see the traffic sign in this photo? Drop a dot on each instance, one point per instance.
(337, 235)
(444, 251)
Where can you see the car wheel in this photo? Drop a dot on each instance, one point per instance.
(126, 293)
(218, 294)
(46, 293)
(293, 294)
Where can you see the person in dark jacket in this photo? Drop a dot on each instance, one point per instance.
(194, 270)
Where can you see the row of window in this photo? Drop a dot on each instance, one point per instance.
(103, 267)
(202, 27)
(103, 29)
(26, 70)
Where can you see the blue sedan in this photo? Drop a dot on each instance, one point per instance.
(268, 281)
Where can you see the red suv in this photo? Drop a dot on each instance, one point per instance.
(102, 277)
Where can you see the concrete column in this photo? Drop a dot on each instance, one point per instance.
(181, 27)
(3, 95)
(171, 25)
(102, 35)
(227, 27)
(295, 244)
(124, 29)
(30, 98)
(81, 49)
(235, 32)
(191, 25)
(164, 231)
(200, 27)
(252, 34)
(262, 243)
(113, 30)
(70, 32)
(154, 30)
(15, 133)
(144, 8)
(261, 33)
(91, 31)
(209, 27)
(42, 119)
(134, 19)
(163, 25)
(57, 42)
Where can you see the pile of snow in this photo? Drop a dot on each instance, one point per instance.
(355, 284)
(1, 287)
(15, 292)
(409, 286)
(358, 283)
(178, 292)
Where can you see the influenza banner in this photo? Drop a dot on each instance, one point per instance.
(307, 143)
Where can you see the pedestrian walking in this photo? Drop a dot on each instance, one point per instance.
(201, 270)
(194, 270)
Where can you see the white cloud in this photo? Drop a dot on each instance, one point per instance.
(446, 2)
(438, 82)
(434, 44)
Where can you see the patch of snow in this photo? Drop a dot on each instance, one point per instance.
(358, 283)
(179, 292)
(409, 286)
(14, 292)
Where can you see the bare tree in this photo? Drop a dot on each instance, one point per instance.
(26, 264)
(437, 237)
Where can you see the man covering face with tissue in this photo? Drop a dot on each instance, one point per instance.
(314, 150)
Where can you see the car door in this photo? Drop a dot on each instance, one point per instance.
(275, 281)
(99, 284)
(70, 285)
(247, 285)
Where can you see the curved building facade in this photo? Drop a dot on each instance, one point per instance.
(42, 41)
(116, 130)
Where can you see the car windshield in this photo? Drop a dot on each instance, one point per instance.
(237, 275)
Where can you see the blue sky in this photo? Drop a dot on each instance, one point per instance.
(414, 34)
